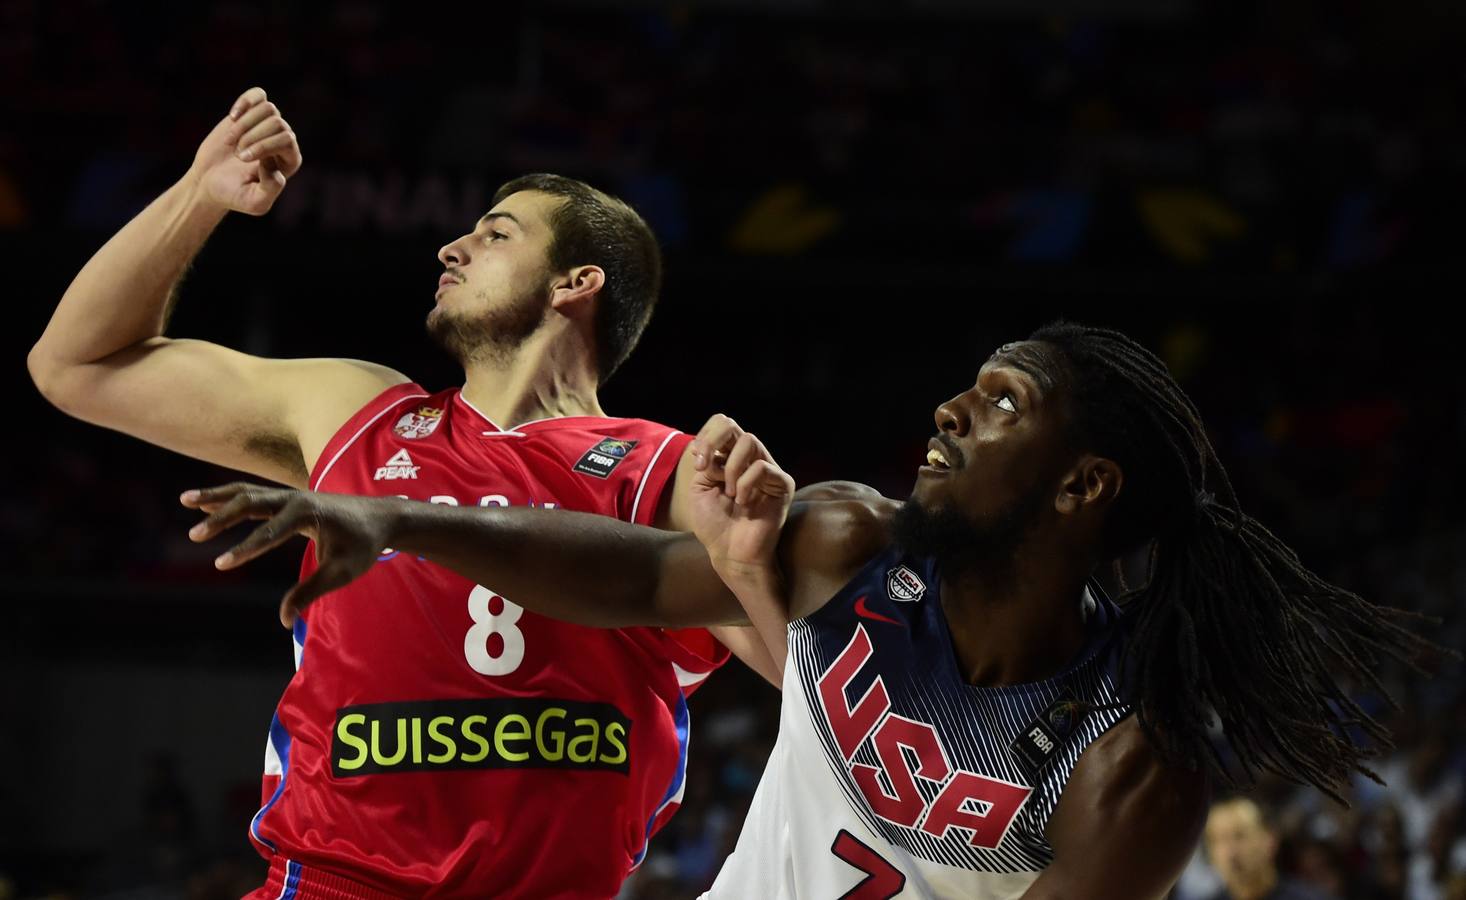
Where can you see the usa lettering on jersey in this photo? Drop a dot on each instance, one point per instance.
(893, 772)
(964, 805)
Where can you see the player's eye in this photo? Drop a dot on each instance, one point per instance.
(498, 236)
(1005, 403)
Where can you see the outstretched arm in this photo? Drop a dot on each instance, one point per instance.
(577, 567)
(583, 568)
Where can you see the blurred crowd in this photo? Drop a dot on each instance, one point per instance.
(1255, 191)
(1278, 136)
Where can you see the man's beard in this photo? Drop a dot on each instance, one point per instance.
(493, 336)
(961, 545)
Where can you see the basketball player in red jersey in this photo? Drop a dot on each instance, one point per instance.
(568, 744)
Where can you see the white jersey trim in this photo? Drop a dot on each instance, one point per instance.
(651, 467)
(485, 418)
(272, 758)
(686, 679)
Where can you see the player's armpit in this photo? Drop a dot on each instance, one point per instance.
(1126, 825)
(268, 417)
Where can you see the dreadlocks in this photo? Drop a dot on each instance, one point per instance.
(1231, 623)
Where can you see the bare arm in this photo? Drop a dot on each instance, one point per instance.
(738, 501)
(577, 567)
(125, 292)
(622, 575)
(745, 642)
(1127, 823)
(103, 357)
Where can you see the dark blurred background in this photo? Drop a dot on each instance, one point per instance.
(858, 201)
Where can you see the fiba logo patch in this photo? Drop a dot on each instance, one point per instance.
(904, 585)
(1042, 737)
(418, 424)
(602, 459)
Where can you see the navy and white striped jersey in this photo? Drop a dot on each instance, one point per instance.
(894, 777)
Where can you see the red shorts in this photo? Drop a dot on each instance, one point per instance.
(289, 880)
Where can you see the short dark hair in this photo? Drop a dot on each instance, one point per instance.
(592, 228)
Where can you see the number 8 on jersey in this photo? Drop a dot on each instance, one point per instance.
(494, 645)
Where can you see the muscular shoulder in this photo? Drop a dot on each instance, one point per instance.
(825, 542)
(1128, 820)
(837, 490)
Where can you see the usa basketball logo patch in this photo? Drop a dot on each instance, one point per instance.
(904, 585)
(418, 424)
(602, 459)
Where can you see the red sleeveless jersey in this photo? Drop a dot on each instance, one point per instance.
(437, 739)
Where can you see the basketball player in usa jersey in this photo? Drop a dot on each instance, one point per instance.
(965, 713)
(437, 739)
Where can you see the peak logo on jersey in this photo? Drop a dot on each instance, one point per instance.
(418, 424)
(399, 466)
(602, 459)
(496, 733)
(904, 585)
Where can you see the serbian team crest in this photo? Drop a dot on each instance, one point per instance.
(602, 459)
(904, 584)
(418, 424)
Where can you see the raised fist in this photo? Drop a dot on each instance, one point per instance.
(245, 161)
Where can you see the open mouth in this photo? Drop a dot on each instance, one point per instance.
(936, 457)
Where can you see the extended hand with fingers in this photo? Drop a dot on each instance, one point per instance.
(350, 532)
(245, 161)
(741, 497)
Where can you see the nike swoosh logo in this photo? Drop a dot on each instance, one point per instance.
(865, 613)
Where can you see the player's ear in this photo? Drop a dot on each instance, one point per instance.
(1093, 481)
(573, 292)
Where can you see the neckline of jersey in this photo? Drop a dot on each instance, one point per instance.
(1100, 628)
(515, 431)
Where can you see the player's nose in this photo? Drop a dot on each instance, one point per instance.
(453, 254)
(952, 417)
